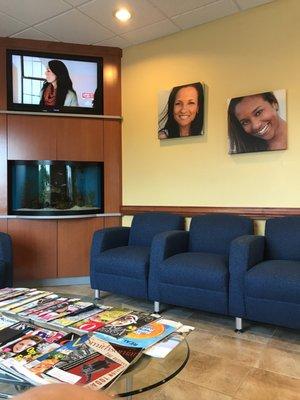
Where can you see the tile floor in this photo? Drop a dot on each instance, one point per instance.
(263, 363)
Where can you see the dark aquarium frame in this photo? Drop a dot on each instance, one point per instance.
(97, 209)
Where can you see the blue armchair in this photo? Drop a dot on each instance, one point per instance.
(6, 265)
(191, 269)
(265, 275)
(120, 256)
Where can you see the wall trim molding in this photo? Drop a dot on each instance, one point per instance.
(190, 211)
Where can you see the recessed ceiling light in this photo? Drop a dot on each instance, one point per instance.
(123, 14)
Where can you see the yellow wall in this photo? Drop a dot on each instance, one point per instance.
(254, 51)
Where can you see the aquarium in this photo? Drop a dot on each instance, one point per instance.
(43, 187)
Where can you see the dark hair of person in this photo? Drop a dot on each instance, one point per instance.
(171, 126)
(64, 83)
(239, 140)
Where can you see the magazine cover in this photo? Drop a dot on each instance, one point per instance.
(49, 360)
(28, 297)
(42, 307)
(95, 371)
(72, 319)
(127, 324)
(12, 293)
(70, 307)
(36, 303)
(6, 321)
(12, 300)
(144, 336)
(99, 320)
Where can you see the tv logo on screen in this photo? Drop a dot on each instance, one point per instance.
(87, 95)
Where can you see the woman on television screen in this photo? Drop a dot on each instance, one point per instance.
(57, 91)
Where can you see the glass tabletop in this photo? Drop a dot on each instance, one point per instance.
(145, 374)
(150, 372)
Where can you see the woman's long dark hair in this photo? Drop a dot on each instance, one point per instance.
(64, 83)
(171, 126)
(239, 140)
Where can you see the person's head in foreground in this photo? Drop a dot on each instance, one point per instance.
(62, 391)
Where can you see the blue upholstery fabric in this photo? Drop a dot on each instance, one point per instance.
(145, 226)
(283, 238)
(120, 256)
(213, 233)
(128, 261)
(245, 252)
(265, 275)
(205, 270)
(274, 280)
(6, 260)
(192, 269)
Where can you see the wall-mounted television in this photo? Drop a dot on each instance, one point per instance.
(49, 82)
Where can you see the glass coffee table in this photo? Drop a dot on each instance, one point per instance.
(150, 372)
(145, 374)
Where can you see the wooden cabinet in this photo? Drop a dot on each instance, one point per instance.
(60, 248)
(34, 248)
(74, 239)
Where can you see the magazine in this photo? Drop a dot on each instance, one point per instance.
(41, 307)
(127, 324)
(144, 336)
(72, 319)
(69, 307)
(27, 298)
(49, 360)
(94, 364)
(99, 320)
(35, 303)
(6, 321)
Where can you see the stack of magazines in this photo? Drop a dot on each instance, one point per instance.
(46, 337)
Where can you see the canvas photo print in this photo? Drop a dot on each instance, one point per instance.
(257, 122)
(181, 111)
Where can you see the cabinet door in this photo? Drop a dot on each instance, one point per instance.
(32, 137)
(34, 248)
(112, 166)
(74, 243)
(3, 166)
(80, 139)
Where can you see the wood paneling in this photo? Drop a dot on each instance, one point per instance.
(74, 243)
(112, 166)
(112, 221)
(32, 137)
(112, 85)
(63, 48)
(252, 212)
(3, 102)
(34, 247)
(3, 165)
(3, 225)
(80, 139)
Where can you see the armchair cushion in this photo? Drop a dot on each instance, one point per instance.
(283, 238)
(199, 270)
(145, 226)
(130, 261)
(274, 280)
(213, 233)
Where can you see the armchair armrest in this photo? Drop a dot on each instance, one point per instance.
(6, 260)
(245, 252)
(164, 245)
(109, 238)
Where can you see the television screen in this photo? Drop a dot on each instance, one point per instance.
(54, 83)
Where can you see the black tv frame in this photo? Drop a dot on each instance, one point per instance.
(11, 106)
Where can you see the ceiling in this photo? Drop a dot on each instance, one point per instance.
(92, 21)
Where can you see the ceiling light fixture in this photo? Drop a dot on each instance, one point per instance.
(123, 14)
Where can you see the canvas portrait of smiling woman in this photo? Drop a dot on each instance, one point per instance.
(182, 113)
(257, 122)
